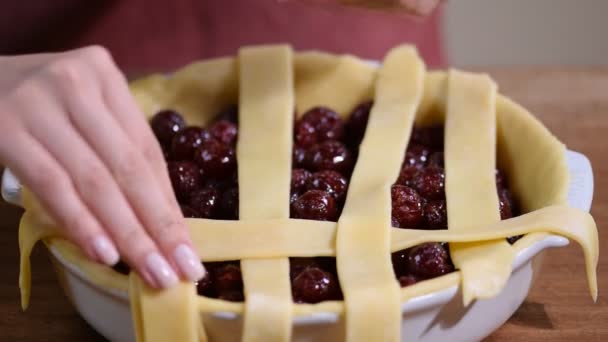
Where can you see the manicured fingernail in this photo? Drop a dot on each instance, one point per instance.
(105, 250)
(161, 271)
(189, 264)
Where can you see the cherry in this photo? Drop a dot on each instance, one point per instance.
(331, 182)
(230, 114)
(314, 285)
(215, 159)
(436, 215)
(227, 277)
(429, 260)
(328, 264)
(232, 296)
(222, 184)
(229, 204)
(188, 212)
(204, 287)
(185, 178)
(430, 183)
(406, 206)
(122, 267)
(329, 155)
(186, 141)
(166, 124)
(513, 239)
(224, 131)
(416, 155)
(431, 137)
(298, 157)
(505, 202)
(400, 262)
(205, 202)
(501, 181)
(436, 160)
(357, 123)
(407, 280)
(304, 134)
(326, 124)
(299, 180)
(407, 175)
(297, 265)
(315, 205)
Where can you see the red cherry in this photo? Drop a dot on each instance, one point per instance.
(406, 206)
(205, 202)
(315, 205)
(187, 141)
(326, 123)
(429, 260)
(357, 123)
(430, 183)
(436, 215)
(224, 131)
(215, 159)
(314, 285)
(185, 178)
(330, 155)
(329, 181)
(166, 124)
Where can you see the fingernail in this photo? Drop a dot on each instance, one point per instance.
(161, 271)
(105, 250)
(189, 264)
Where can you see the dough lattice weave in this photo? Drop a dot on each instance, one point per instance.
(363, 238)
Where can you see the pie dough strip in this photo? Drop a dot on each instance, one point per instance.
(371, 292)
(29, 234)
(266, 107)
(471, 195)
(167, 315)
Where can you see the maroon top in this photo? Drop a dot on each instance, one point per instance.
(154, 34)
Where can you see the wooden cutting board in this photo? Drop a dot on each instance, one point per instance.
(572, 103)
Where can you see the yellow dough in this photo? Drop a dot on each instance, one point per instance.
(168, 315)
(371, 293)
(267, 82)
(266, 103)
(470, 186)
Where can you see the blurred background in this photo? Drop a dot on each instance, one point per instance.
(523, 32)
(157, 35)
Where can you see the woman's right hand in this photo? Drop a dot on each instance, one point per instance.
(72, 133)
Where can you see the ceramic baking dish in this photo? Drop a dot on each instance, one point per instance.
(438, 316)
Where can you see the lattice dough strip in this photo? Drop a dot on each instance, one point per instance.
(371, 293)
(266, 103)
(471, 195)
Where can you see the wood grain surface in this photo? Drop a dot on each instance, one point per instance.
(572, 103)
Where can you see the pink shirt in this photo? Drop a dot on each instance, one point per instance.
(145, 35)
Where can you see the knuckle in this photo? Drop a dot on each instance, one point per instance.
(97, 54)
(129, 167)
(47, 180)
(66, 71)
(78, 225)
(92, 181)
(168, 230)
(133, 243)
(153, 154)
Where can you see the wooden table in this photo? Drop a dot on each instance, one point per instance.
(573, 104)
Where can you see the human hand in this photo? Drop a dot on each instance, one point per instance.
(73, 135)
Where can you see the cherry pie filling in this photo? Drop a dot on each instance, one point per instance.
(203, 170)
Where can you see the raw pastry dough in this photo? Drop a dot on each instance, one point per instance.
(371, 293)
(266, 102)
(263, 79)
(470, 186)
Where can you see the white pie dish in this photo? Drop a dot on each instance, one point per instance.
(437, 316)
